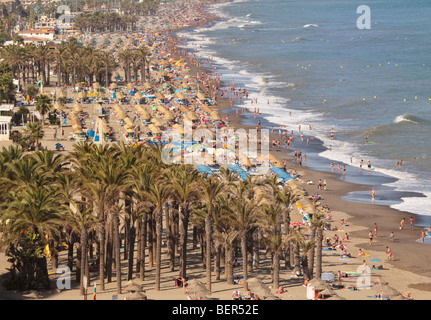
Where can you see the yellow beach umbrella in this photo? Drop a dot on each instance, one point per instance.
(156, 122)
(181, 96)
(192, 116)
(154, 129)
(201, 96)
(215, 115)
(128, 121)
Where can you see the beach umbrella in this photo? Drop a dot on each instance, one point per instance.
(160, 96)
(183, 109)
(145, 115)
(156, 122)
(113, 86)
(215, 116)
(81, 95)
(121, 114)
(197, 289)
(201, 96)
(168, 115)
(133, 287)
(181, 96)
(120, 95)
(130, 86)
(78, 131)
(128, 121)
(154, 129)
(258, 287)
(179, 128)
(327, 276)
(147, 86)
(318, 284)
(96, 85)
(136, 296)
(62, 94)
(161, 109)
(385, 290)
(205, 108)
(137, 96)
(192, 116)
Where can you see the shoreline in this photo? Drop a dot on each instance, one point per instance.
(361, 213)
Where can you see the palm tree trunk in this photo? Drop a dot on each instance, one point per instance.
(117, 253)
(150, 242)
(184, 221)
(276, 269)
(144, 244)
(84, 239)
(244, 259)
(319, 239)
(169, 237)
(228, 266)
(132, 236)
(208, 240)
(217, 268)
(102, 253)
(159, 230)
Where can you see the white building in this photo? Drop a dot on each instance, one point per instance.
(5, 121)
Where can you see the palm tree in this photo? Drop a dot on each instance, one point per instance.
(33, 211)
(34, 132)
(43, 105)
(211, 188)
(158, 194)
(184, 186)
(243, 218)
(318, 222)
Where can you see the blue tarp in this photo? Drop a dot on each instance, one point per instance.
(241, 173)
(282, 174)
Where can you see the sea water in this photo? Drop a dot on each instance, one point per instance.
(313, 65)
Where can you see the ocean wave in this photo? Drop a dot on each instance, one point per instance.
(298, 39)
(408, 118)
(311, 25)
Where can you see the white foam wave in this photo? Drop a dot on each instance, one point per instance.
(311, 25)
(404, 118)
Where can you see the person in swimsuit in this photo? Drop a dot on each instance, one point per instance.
(370, 236)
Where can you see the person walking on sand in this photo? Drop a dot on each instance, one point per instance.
(370, 236)
(389, 252)
(412, 226)
(423, 236)
(391, 237)
(373, 194)
(402, 223)
(375, 229)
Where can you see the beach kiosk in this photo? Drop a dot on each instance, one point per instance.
(5, 121)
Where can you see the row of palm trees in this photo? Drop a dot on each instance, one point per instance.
(105, 22)
(93, 195)
(73, 63)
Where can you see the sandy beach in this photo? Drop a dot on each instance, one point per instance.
(410, 271)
